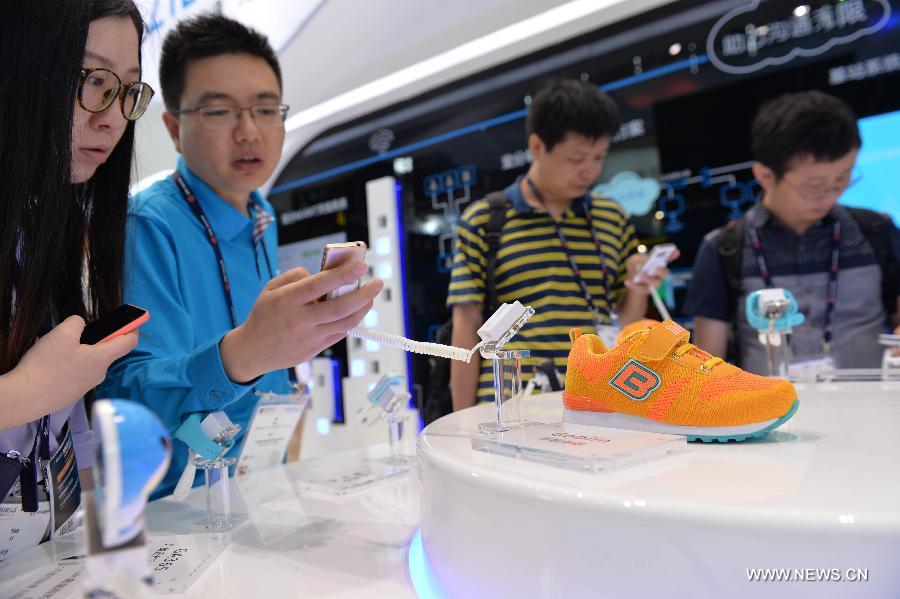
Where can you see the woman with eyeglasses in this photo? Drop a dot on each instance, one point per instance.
(70, 78)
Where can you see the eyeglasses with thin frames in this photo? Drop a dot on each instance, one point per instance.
(99, 88)
(226, 117)
(814, 194)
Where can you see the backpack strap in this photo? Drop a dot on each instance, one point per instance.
(730, 248)
(876, 228)
(497, 205)
(731, 256)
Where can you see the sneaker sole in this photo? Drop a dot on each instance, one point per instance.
(702, 434)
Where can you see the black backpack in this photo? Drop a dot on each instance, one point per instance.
(876, 228)
(437, 400)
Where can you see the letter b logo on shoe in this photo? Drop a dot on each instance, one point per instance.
(635, 380)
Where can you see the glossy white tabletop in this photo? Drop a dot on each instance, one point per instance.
(297, 543)
(820, 492)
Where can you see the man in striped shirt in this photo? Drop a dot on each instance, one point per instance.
(564, 251)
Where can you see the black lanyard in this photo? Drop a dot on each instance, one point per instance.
(28, 479)
(191, 199)
(576, 270)
(831, 299)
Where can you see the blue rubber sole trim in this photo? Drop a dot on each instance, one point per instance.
(738, 438)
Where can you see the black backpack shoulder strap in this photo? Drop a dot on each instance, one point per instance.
(731, 255)
(497, 205)
(876, 228)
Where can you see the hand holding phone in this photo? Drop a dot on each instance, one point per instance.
(59, 368)
(120, 321)
(338, 254)
(659, 257)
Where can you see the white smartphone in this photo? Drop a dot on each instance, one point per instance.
(659, 258)
(338, 254)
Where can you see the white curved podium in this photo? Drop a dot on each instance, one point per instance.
(817, 500)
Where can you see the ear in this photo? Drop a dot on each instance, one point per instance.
(536, 146)
(173, 126)
(764, 175)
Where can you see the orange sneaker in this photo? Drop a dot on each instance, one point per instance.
(637, 325)
(656, 381)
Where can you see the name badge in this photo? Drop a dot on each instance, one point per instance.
(59, 500)
(64, 487)
(608, 334)
(21, 530)
(274, 421)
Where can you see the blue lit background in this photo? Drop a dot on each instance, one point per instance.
(878, 165)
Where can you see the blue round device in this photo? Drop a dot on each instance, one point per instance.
(132, 452)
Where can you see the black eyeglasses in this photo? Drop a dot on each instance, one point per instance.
(99, 88)
(226, 117)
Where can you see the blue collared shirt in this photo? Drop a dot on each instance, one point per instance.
(171, 270)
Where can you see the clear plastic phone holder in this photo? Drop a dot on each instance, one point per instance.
(890, 364)
(507, 366)
(210, 438)
(387, 401)
(774, 313)
(502, 326)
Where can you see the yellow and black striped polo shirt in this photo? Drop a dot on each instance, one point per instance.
(532, 267)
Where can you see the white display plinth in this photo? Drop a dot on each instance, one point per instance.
(819, 493)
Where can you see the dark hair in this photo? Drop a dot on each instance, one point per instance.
(809, 123)
(570, 106)
(53, 232)
(205, 36)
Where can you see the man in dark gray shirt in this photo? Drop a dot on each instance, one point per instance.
(840, 263)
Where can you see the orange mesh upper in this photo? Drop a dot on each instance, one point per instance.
(687, 394)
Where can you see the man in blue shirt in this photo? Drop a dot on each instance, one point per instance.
(200, 256)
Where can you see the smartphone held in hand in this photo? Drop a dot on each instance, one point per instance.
(338, 254)
(120, 321)
(659, 258)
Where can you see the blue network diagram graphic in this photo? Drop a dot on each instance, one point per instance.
(735, 195)
(449, 191)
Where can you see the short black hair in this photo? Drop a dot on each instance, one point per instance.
(569, 106)
(809, 123)
(205, 36)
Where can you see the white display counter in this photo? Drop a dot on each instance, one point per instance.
(297, 542)
(821, 493)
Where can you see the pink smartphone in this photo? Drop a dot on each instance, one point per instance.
(120, 321)
(338, 254)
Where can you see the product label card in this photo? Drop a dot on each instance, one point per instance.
(59, 581)
(579, 446)
(273, 424)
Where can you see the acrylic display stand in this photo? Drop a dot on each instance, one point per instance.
(335, 480)
(508, 392)
(218, 498)
(579, 447)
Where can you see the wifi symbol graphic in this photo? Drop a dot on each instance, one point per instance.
(380, 141)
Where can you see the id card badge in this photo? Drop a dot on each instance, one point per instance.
(270, 430)
(63, 487)
(21, 530)
(812, 369)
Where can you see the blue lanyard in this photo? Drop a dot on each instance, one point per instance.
(831, 299)
(191, 199)
(576, 270)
